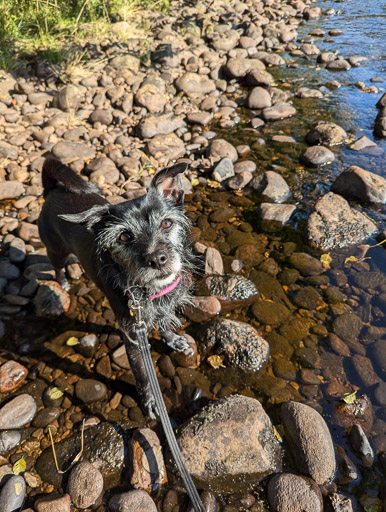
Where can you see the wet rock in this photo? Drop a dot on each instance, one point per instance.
(85, 485)
(220, 148)
(362, 143)
(293, 493)
(67, 150)
(259, 98)
(12, 494)
(276, 213)
(347, 469)
(46, 416)
(361, 445)
(283, 139)
(329, 134)
(339, 503)
(159, 125)
(88, 345)
(306, 264)
(188, 358)
(8, 440)
(279, 111)
(308, 298)
(216, 457)
(132, 501)
(193, 83)
(270, 313)
(8, 271)
(360, 411)
(231, 290)
(103, 447)
(312, 13)
(11, 375)
(213, 262)
(271, 186)
(51, 300)
(90, 391)
(347, 326)
(223, 170)
(334, 224)
(10, 189)
(17, 412)
(357, 183)
(338, 65)
(240, 181)
(310, 49)
(148, 470)
(379, 353)
(168, 146)
(365, 370)
(202, 309)
(380, 394)
(68, 98)
(53, 503)
(239, 341)
(310, 441)
(317, 155)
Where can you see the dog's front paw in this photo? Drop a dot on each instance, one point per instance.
(179, 344)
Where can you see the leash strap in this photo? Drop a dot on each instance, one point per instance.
(141, 334)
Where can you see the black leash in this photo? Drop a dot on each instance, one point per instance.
(144, 346)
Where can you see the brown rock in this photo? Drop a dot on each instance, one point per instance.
(148, 467)
(11, 375)
(132, 501)
(293, 493)
(202, 309)
(85, 485)
(53, 503)
(51, 300)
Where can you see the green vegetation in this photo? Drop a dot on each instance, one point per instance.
(47, 28)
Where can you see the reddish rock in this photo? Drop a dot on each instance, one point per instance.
(51, 300)
(11, 375)
(202, 309)
(148, 467)
(53, 503)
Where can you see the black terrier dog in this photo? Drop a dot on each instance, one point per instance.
(137, 246)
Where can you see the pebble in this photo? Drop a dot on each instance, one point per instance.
(53, 503)
(12, 494)
(223, 170)
(271, 186)
(51, 300)
(10, 189)
(8, 440)
(132, 501)
(85, 485)
(213, 262)
(293, 493)
(361, 445)
(12, 374)
(89, 391)
(17, 412)
(73, 150)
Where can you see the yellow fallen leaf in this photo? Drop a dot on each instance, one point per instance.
(19, 466)
(325, 260)
(351, 258)
(317, 69)
(213, 184)
(216, 362)
(55, 393)
(71, 342)
(349, 398)
(194, 182)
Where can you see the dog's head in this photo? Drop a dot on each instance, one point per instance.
(143, 242)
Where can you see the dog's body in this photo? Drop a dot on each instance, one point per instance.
(138, 246)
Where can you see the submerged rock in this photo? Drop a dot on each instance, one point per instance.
(231, 290)
(357, 183)
(309, 441)
(335, 224)
(271, 186)
(240, 342)
(229, 442)
(317, 155)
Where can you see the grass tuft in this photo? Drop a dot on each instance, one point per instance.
(47, 28)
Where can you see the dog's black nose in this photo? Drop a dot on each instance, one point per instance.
(156, 259)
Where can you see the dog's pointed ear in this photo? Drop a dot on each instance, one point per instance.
(88, 217)
(168, 182)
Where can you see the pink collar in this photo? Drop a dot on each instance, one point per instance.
(166, 290)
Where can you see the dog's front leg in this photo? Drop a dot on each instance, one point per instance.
(140, 375)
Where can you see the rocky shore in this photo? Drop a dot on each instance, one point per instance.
(281, 407)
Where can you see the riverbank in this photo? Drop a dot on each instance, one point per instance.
(237, 90)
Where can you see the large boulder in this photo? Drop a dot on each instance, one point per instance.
(229, 442)
(335, 224)
(357, 183)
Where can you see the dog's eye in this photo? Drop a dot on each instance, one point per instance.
(167, 223)
(125, 237)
